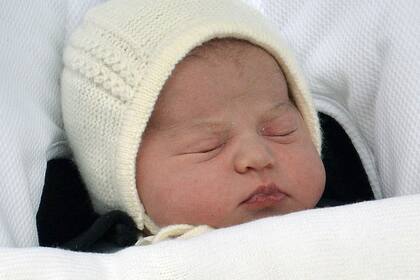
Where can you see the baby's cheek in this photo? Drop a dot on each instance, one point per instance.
(309, 177)
(322, 177)
(208, 214)
(317, 184)
(205, 204)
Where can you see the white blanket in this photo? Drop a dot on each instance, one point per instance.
(362, 60)
(374, 240)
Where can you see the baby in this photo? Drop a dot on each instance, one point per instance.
(188, 113)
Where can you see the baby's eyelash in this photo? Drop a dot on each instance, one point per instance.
(286, 133)
(275, 133)
(209, 149)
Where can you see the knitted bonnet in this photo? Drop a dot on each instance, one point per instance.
(115, 65)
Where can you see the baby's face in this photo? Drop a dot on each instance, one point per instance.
(225, 145)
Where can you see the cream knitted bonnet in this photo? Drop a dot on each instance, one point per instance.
(117, 62)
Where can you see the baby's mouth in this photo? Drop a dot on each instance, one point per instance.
(264, 196)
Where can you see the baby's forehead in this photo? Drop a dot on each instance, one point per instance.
(222, 48)
(210, 77)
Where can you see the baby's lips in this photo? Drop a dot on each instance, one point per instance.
(265, 193)
(264, 197)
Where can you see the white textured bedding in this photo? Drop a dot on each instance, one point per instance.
(362, 61)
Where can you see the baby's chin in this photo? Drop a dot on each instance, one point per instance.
(245, 213)
(264, 212)
(250, 217)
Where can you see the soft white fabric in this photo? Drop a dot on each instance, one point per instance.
(115, 66)
(32, 36)
(362, 60)
(375, 240)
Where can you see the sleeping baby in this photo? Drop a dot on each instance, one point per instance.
(189, 116)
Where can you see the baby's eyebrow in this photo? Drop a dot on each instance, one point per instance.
(215, 126)
(279, 105)
(211, 126)
(220, 126)
(277, 109)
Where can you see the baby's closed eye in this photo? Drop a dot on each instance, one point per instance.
(278, 131)
(204, 147)
(280, 128)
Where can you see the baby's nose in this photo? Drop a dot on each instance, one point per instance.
(253, 154)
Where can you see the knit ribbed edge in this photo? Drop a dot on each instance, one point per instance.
(103, 76)
(103, 58)
(161, 66)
